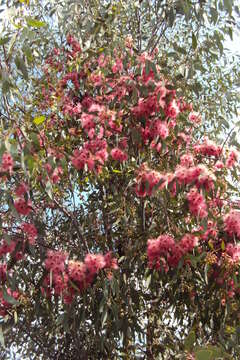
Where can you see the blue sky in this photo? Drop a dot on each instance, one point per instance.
(234, 46)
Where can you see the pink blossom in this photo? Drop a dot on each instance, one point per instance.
(102, 61)
(31, 232)
(21, 189)
(172, 109)
(7, 162)
(187, 160)
(118, 66)
(77, 272)
(6, 248)
(194, 117)
(208, 148)
(233, 251)
(160, 128)
(55, 261)
(188, 242)
(56, 175)
(197, 204)
(110, 262)
(148, 181)
(94, 263)
(232, 223)
(97, 79)
(118, 155)
(22, 206)
(232, 158)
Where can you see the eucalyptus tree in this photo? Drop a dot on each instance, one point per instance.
(99, 154)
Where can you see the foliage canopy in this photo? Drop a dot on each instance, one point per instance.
(119, 216)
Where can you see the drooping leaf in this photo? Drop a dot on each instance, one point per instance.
(20, 64)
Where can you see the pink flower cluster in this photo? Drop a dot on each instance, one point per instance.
(233, 251)
(208, 148)
(118, 155)
(21, 189)
(76, 48)
(211, 232)
(73, 77)
(155, 101)
(55, 261)
(232, 158)
(117, 66)
(4, 304)
(93, 155)
(187, 175)
(3, 273)
(81, 274)
(163, 252)
(31, 232)
(7, 162)
(197, 204)
(69, 108)
(194, 117)
(56, 174)
(159, 128)
(187, 160)
(148, 181)
(232, 223)
(197, 175)
(22, 206)
(172, 109)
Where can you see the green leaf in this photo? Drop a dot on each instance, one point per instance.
(2, 337)
(6, 82)
(228, 6)
(117, 171)
(147, 67)
(20, 64)
(204, 355)
(148, 281)
(104, 317)
(74, 286)
(39, 120)
(4, 40)
(28, 53)
(49, 189)
(179, 49)
(194, 41)
(171, 17)
(35, 23)
(223, 245)
(189, 341)
(214, 15)
(30, 162)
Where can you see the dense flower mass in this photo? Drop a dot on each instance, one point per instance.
(232, 223)
(108, 167)
(148, 181)
(22, 206)
(70, 278)
(31, 232)
(163, 252)
(197, 204)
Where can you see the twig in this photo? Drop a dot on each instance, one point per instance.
(70, 216)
